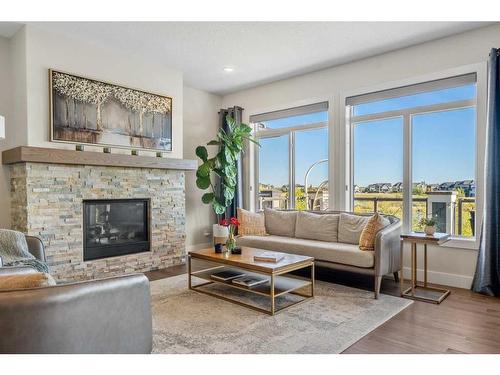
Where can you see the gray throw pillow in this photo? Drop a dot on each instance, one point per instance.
(350, 227)
(280, 223)
(321, 227)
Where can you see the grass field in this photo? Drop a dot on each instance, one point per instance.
(418, 209)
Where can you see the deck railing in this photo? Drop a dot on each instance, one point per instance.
(376, 200)
(462, 202)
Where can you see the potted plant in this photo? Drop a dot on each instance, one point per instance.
(219, 173)
(231, 224)
(429, 225)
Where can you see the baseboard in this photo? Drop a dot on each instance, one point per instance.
(198, 246)
(442, 278)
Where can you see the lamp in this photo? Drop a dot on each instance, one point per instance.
(2, 127)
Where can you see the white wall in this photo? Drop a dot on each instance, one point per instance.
(4, 77)
(46, 50)
(4, 111)
(200, 126)
(13, 102)
(450, 266)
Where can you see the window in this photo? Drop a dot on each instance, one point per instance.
(378, 166)
(414, 153)
(443, 161)
(292, 162)
(274, 172)
(311, 169)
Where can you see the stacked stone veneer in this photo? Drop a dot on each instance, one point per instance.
(47, 199)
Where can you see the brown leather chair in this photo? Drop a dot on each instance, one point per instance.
(111, 315)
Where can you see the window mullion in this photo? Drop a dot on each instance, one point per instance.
(256, 179)
(407, 173)
(291, 172)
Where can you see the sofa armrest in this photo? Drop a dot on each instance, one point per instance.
(103, 316)
(387, 249)
(36, 248)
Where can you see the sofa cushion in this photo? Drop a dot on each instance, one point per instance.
(350, 228)
(335, 252)
(280, 223)
(251, 223)
(374, 224)
(321, 227)
(26, 281)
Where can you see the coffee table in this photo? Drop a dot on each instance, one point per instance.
(280, 280)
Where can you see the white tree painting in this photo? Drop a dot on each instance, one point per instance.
(90, 111)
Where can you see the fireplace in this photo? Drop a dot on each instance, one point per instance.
(114, 227)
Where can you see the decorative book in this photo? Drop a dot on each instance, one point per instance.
(271, 258)
(250, 281)
(227, 275)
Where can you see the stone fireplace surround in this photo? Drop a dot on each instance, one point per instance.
(46, 201)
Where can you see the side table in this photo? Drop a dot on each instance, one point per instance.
(421, 291)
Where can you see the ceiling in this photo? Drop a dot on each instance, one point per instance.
(259, 52)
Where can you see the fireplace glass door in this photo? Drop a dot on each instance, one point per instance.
(115, 227)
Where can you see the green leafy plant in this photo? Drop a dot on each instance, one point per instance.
(428, 221)
(219, 173)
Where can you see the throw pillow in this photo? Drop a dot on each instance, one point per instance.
(280, 223)
(251, 223)
(374, 224)
(350, 227)
(26, 281)
(321, 227)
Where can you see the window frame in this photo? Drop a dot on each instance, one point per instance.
(290, 132)
(480, 70)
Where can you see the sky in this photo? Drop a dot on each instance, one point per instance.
(443, 143)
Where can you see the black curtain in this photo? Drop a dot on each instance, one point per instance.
(236, 113)
(487, 277)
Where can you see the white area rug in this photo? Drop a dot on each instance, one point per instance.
(186, 321)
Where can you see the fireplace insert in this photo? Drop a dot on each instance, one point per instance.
(114, 227)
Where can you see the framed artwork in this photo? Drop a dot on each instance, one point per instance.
(84, 110)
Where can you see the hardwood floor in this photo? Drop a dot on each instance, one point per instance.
(465, 322)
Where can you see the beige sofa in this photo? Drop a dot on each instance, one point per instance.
(332, 238)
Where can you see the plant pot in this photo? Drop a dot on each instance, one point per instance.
(220, 234)
(429, 230)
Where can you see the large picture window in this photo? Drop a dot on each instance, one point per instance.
(414, 153)
(292, 161)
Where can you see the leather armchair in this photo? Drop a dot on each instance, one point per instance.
(111, 315)
(35, 247)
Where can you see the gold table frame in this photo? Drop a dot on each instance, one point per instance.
(272, 294)
(417, 291)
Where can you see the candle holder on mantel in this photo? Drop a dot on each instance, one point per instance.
(106, 150)
(159, 154)
(79, 148)
(135, 152)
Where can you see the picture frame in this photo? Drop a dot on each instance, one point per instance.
(88, 111)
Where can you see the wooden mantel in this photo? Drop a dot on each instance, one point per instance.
(24, 154)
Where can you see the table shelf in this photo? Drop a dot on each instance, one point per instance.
(282, 284)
